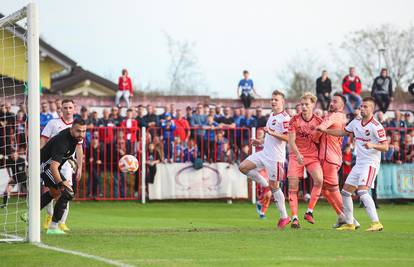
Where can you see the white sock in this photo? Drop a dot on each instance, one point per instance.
(369, 205)
(309, 210)
(356, 223)
(257, 177)
(53, 225)
(65, 214)
(280, 202)
(49, 207)
(348, 206)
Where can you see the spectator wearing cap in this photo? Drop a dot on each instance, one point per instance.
(247, 89)
(351, 89)
(323, 90)
(125, 89)
(382, 90)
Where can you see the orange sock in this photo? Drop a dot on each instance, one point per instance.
(293, 201)
(336, 195)
(315, 193)
(265, 202)
(331, 200)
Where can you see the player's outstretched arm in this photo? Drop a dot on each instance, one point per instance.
(335, 132)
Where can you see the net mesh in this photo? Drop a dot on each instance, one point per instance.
(13, 131)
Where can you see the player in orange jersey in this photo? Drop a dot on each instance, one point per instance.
(304, 154)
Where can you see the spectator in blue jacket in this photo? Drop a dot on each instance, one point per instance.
(247, 89)
(45, 115)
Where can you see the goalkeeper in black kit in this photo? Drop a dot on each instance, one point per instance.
(53, 155)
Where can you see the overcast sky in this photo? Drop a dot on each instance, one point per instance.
(105, 36)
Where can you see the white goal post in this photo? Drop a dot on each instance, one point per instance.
(31, 43)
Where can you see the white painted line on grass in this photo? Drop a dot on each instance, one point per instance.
(81, 254)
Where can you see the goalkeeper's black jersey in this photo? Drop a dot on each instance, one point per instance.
(59, 148)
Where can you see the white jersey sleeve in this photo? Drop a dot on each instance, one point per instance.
(379, 133)
(350, 127)
(48, 130)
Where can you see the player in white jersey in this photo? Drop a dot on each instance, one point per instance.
(52, 128)
(273, 155)
(370, 140)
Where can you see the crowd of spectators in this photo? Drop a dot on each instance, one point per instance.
(208, 132)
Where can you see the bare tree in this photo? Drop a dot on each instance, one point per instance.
(300, 74)
(184, 72)
(385, 45)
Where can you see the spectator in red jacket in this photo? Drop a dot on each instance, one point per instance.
(124, 88)
(183, 127)
(130, 126)
(351, 86)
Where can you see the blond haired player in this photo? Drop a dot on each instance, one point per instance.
(52, 128)
(273, 155)
(370, 140)
(304, 154)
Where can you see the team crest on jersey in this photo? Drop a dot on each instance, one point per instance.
(367, 133)
(285, 124)
(274, 122)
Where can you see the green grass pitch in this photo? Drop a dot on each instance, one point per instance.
(217, 234)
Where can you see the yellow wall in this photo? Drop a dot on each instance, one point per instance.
(13, 60)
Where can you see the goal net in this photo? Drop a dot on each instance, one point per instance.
(18, 74)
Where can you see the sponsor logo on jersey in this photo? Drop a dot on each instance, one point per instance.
(381, 133)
